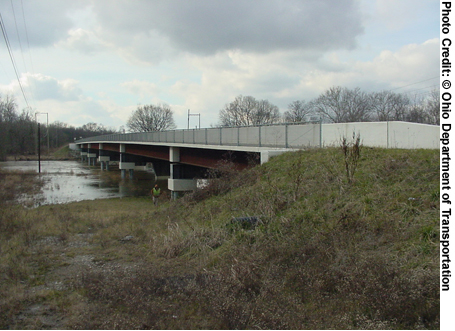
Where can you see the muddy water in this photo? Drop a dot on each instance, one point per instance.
(68, 181)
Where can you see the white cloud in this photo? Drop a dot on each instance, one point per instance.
(82, 40)
(150, 30)
(96, 60)
(43, 87)
(142, 89)
(226, 75)
(397, 14)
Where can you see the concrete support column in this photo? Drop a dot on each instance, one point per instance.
(177, 183)
(83, 156)
(124, 164)
(91, 159)
(91, 156)
(104, 161)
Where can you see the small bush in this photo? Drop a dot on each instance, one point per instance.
(351, 152)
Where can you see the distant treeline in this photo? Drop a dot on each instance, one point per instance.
(336, 105)
(19, 131)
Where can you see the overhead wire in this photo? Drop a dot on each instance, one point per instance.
(8, 46)
(422, 81)
(20, 43)
(26, 37)
(31, 81)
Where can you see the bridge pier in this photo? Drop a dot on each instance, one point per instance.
(124, 163)
(177, 183)
(104, 162)
(91, 156)
(103, 159)
(83, 157)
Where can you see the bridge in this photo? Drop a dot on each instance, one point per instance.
(181, 154)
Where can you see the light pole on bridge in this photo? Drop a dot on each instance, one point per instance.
(193, 115)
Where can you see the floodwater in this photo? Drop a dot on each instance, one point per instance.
(69, 181)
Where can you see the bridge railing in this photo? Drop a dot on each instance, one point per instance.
(374, 134)
(276, 136)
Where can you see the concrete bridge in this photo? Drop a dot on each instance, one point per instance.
(181, 154)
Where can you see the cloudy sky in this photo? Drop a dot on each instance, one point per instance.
(86, 61)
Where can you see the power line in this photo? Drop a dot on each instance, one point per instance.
(29, 53)
(5, 36)
(26, 36)
(425, 80)
(20, 44)
(422, 88)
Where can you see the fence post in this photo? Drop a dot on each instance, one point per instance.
(260, 138)
(286, 143)
(320, 132)
(387, 134)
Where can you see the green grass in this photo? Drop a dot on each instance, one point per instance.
(333, 251)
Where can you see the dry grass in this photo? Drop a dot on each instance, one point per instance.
(329, 253)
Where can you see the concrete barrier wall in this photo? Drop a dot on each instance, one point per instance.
(374, 134)
(229, 136)
(413, 135)
(273, 136)
(384, 134)
(301, 136)
(213, 137)
(249, 136)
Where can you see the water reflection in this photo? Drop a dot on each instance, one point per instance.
(68, 181)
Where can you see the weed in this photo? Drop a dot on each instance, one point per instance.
(351, 152)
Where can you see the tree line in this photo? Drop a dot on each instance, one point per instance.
(19, 130)
(336, 105)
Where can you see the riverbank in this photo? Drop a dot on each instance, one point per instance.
(321, 249)
(61, 154)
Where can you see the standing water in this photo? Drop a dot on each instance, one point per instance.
(69, 181)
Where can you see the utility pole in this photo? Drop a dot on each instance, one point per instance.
(193, 115)
(47, 129)
(39, 149)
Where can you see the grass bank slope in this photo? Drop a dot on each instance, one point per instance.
(329, 250)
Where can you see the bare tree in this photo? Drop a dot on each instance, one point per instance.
(341, 105)
(8, 119)
(266, 113)
(244, 111)
(433, 107)
(357, 105)
(416, 111)
(389, 106)
(151, 118)
(8, 109)
(298, 111)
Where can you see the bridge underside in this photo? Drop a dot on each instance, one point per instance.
(181, 164)
(205, 158)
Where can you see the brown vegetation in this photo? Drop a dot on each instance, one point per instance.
(327, 254)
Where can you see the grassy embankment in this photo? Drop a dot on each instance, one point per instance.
(334, 251)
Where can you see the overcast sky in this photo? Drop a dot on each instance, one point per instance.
(86, 61)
